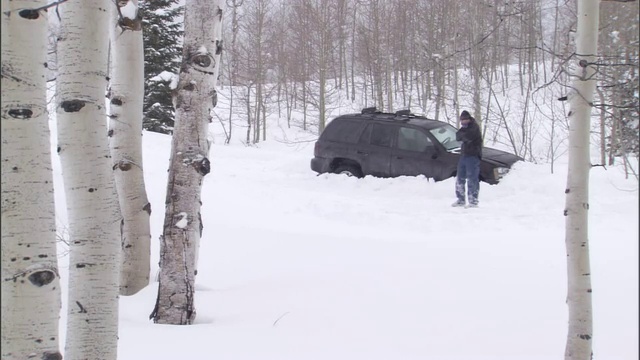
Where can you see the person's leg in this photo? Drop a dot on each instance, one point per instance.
(473, 176)
(461, 178)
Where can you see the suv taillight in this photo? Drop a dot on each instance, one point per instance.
(315, 149)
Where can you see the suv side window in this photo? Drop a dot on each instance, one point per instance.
(382, 135)
(412, 140)
(343, 131)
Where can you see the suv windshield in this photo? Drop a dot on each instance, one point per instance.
(446, 135)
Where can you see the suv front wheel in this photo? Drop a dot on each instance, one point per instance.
(348, 170)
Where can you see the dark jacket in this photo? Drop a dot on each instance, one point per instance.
(471, 139)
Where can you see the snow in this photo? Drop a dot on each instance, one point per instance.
(129, 10)
(164, 76)
(183, 222)
(299, 266)
(293, 265)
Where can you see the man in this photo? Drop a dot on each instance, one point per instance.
(469, 164)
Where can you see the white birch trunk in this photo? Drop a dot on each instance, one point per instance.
(580, 333)
(125, 127)
(30, 280)
(194, 98)
(92, 206)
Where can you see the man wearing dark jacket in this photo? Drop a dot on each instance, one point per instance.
(469, 164)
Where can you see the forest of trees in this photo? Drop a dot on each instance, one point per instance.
(293, 58)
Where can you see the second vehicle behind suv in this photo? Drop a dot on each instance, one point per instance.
(390, 145)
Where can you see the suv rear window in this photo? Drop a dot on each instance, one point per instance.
(346, 131)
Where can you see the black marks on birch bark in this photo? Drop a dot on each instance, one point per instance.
(584, 336)
(190, 309)
(117, 100)
(124, 165)
(82, 309)
(203, 166)
(202, 60)
(29, 14)
(147, 208)
(42, 277)
(72, 105)
(7, 71)
(51, 355)
(214, 98)
(20, 113)
(83, 265)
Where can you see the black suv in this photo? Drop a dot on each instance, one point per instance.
(389, 145)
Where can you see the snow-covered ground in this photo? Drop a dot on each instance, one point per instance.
(299, 266)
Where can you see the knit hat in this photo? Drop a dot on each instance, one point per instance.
(465, 115)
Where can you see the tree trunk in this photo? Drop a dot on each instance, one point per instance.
(603, 129)
(125, 127)
(195, 98)
(580, 334)
(30, 280)
(92, 202)
(322, 80)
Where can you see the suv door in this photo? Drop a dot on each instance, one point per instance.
(414, 154)
(374, 150)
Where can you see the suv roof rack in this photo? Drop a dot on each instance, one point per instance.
(404, 112)
(400, 115)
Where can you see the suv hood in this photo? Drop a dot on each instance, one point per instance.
(499, 157)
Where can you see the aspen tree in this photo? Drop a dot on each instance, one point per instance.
(194, 99)
(30, 280)
(579, 298)
(126, 94)
(92, 202)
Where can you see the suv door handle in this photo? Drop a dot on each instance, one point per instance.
(399, 157)
(361, 152)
